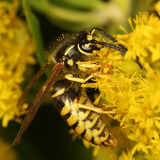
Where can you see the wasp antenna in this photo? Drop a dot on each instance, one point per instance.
(104, 33)
(121, 49)
(107, 35)
(30, 84)
(37, 101)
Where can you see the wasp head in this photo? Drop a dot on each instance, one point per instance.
(73, 48)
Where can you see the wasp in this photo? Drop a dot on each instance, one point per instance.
(64, 84)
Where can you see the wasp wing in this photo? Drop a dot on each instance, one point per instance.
(37, 101)
(30, 84)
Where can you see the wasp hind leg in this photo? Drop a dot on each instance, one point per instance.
(62, 91)
(94, 109)
(85, 103)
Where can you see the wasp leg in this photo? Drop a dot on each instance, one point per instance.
(81, 80)
(95, 109)
(82, 66)
(88, 105)
(96, 74)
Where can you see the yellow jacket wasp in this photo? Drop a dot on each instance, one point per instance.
(64, 84)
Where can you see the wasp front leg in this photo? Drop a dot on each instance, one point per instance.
(84, 80)
(81, 80)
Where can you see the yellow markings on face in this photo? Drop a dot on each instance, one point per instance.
(93, 31)
(89, 37)
(68, 50)
(88, 135)
(87, 45)
(72, 119)
(70, 62)
(80, 128)
(88, 54)
(61, 91)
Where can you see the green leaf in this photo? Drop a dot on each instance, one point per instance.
(70, 19)
(34, 28)
(74, 4)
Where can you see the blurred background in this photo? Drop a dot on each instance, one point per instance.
(48, 136)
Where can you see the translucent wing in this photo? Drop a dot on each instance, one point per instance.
(30, 84)
(37, 101)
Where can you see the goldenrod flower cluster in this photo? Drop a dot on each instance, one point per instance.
(132, 90)
(16, 50)
(129, 85)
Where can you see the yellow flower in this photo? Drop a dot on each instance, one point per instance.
(15, 53)
(144, 39)
(132, 92)
(157, 7)
(6, 151)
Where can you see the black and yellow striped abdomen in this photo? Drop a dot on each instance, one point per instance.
(86, 123)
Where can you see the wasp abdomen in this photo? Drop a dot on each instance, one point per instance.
(86, 123)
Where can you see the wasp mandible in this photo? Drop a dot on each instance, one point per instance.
(64, 84)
